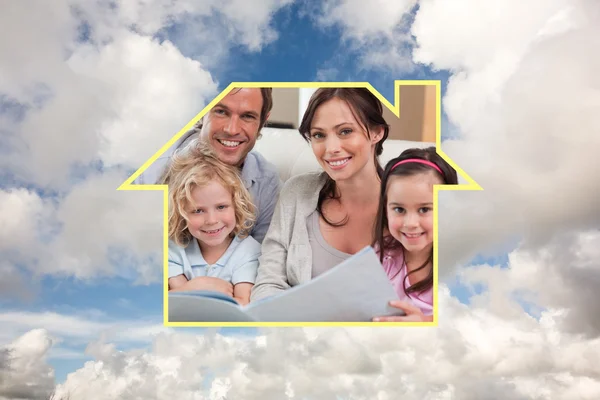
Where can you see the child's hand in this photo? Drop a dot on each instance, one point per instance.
(413, 313)
(241, 292)
(212, 284)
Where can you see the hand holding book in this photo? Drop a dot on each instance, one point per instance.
(205, 283)
(413, 313)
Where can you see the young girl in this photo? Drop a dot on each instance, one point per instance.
(210, 215)
(404, 228)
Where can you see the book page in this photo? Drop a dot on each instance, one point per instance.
(356, 290)
(204, 307)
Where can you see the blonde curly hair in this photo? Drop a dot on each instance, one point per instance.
(195, 166)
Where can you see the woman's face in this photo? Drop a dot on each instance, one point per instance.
(339, 142)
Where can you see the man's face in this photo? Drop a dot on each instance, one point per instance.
(231, 127)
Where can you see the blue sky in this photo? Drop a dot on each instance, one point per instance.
(300, 51)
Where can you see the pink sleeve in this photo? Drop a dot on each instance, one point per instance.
(392, 264)
(386, 261)
(389, 266)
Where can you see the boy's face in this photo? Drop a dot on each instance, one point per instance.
(231, 126)
(211, 217)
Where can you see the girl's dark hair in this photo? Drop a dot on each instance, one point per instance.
(368, 112)
(386, 243)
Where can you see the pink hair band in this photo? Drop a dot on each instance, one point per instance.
(419, 161)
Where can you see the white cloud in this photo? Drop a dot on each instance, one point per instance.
(144, 16)
(470, 35)
(209, 36)
(93, 230)
(20, 212)
(520, 358)
(117, 104)
(103, 95)
(74, 336)
(80, 328)
(153, 92)
(21, 77)
(24, 372)
(107, 232)
(375, 30)
(524, 96)
(483, 52)
(239, 21)
(252, 20)
(83, 99)
(562, 275)
(15, 283)
(327, 74)
(362, 20)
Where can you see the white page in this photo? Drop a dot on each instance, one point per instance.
(356, 290)
(187, 307)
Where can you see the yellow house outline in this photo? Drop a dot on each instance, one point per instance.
(395, 108)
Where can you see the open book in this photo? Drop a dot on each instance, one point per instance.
(356, 290)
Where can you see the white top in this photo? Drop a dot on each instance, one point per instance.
(238, 264)
(324, 256)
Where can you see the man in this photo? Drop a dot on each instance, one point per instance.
(232, 127)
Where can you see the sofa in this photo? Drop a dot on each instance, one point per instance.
(292, 155)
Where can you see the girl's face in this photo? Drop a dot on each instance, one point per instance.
(410, 210)
(340, 144)
(211, 216)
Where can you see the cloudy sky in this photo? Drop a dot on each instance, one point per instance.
(90, 89)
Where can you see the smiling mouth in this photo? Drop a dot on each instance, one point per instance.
(413, 235)
(338, 163)
(229, 143)
(213, 232)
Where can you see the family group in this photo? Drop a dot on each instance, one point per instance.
(235, 228)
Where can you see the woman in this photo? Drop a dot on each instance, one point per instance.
(323, 218)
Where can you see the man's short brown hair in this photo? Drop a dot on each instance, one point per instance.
(267, 95)
(267, 105)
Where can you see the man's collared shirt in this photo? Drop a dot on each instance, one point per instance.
(261, 179)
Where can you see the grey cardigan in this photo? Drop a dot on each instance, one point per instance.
(286, 258)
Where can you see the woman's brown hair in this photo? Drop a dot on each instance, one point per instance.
(368, 112)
